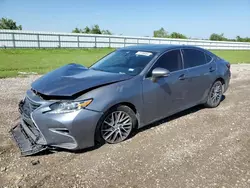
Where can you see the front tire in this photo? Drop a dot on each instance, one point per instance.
(214, 95)
(116, 124)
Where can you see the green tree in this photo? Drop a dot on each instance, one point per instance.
(106, 32)
(247, 39)
(6, 23)
(86, 30)
(96, 29)
(76, 30)
(177, 35)
(218, 37)
(240, 39)
(161, 33)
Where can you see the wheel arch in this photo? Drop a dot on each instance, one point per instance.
(128, 104)
(222, 81)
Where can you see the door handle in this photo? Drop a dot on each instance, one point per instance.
(211, 69)
(182, 77)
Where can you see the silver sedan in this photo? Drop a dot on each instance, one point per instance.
(74, 107)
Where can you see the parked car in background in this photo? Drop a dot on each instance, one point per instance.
(75, 107)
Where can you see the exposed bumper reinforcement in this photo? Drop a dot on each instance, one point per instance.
(25, 143)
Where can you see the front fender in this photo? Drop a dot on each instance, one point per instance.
(129, 91)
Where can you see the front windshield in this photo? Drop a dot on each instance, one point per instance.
(130, 62)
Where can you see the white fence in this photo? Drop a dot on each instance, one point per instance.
(33, 39)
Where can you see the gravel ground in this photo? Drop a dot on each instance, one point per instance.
(196, 148)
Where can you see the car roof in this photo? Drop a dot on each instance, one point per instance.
(157, 47)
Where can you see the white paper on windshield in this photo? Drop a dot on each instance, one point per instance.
(144, 53)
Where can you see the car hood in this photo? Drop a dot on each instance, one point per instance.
(72, 79)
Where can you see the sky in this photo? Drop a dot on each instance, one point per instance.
(194, 18)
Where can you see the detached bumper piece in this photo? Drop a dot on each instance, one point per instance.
(26, 144)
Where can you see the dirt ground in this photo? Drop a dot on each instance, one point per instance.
(196, 148)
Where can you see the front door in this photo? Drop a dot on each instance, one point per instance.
(167, 94)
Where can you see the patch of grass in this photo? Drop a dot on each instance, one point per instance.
(41, 61)
(234, 56)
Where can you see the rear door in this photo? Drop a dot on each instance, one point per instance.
(167, 94)
(201, 69)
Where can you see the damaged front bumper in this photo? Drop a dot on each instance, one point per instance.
(26, 135)
(39, 130)
(25, 142)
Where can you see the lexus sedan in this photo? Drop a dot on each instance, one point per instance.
(74, 107)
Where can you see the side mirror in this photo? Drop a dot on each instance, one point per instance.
(159, 72)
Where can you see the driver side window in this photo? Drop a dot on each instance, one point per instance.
(170, 60)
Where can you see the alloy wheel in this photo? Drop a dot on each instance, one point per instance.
(216, 93)
(116, 127)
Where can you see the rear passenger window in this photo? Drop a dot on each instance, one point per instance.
(193, 58)
(208, 58)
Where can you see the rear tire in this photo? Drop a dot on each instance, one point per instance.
(116, 125)
(214, 95)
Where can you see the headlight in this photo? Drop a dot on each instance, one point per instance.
(69, 106)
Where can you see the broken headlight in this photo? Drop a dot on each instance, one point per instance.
(69, 106)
